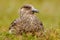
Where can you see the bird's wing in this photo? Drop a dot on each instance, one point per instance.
(14, 25)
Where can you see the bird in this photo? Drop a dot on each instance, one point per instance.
(27, 22)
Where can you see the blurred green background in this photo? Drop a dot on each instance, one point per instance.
(49, 14)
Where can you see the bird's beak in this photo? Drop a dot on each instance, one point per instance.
(35, 10)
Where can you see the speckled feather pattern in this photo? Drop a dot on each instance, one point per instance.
(26, 23)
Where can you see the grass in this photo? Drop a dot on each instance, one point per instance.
(49, 15)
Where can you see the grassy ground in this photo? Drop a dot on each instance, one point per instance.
(49, 15)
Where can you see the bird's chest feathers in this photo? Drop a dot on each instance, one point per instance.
(30, 19)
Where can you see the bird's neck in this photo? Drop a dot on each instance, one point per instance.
(26, 16)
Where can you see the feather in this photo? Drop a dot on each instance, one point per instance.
(27, 22)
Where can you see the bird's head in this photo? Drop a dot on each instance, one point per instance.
(29, 9)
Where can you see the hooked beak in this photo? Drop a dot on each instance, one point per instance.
(35, 10)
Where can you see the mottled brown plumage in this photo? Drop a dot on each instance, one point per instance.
(27, 22)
